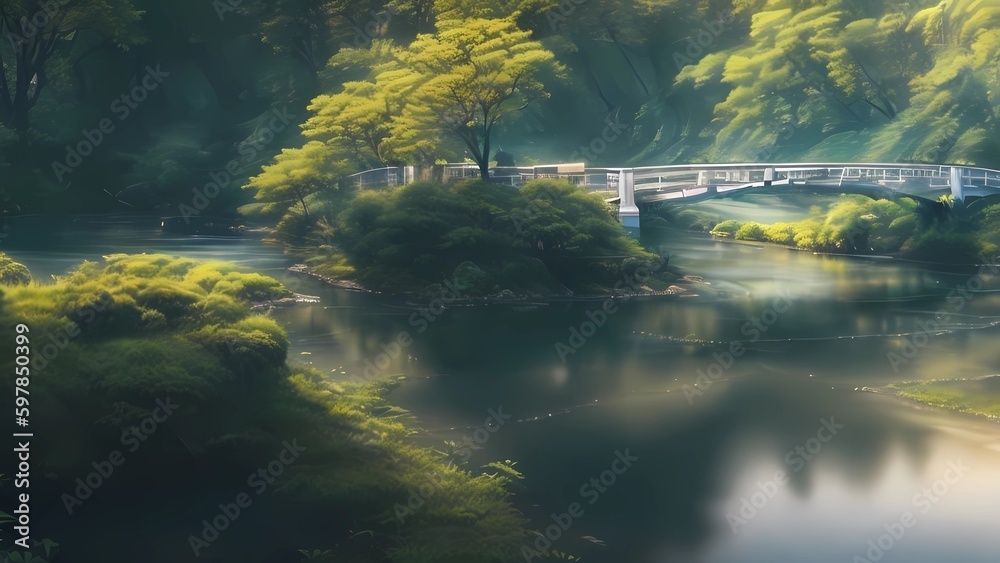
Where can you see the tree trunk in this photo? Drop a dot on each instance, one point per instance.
(19, 121)
(305, 209)
(484, 163)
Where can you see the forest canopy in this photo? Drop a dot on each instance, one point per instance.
(389, 82)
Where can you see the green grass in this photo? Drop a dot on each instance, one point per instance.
(975, 396)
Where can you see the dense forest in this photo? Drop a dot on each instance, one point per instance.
(124, 105)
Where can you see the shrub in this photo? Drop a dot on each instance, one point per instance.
(727, 228)
(13, 273)
(250, 287)
(168, 298)
(780, 233)
(751, 232)
(422, 234)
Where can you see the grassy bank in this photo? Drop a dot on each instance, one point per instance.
(113, 342)
(855, 224)
(974, 396)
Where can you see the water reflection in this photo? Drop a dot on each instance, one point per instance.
(625, 389)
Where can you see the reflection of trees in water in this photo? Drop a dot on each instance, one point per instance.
(685, 453)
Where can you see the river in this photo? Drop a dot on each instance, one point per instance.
(782, 457)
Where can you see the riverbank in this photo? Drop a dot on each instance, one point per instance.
(147, 338)
(685, 287)
(979, 397)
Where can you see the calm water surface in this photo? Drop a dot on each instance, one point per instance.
(703, 487)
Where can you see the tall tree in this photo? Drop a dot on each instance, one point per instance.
(465, 79)
(31, 34)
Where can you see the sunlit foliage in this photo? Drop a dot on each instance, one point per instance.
(13, 273)
(116, 340)
(854, 224)
(849, 80)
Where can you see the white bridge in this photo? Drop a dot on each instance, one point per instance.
(627, 187)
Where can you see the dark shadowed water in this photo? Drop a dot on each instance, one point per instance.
(702, 481)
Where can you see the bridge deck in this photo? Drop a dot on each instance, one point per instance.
(699, 181)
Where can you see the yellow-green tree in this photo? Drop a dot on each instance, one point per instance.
(297, 175)
(810, 68)
(952, 116)
(462, 81)
(355, 122)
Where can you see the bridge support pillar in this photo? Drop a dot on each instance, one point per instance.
(957, 185)
(628, 211)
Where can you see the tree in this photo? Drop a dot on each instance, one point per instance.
(465, 79)
(296, 175)
(952, 113)
(355, 122)
(31, 33)
(421, 12)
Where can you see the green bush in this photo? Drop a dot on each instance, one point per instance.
(13, 273)
(727, 228)
(751, 232)
(424, 234)
(168, 298)
(250, 287)
(780, 233)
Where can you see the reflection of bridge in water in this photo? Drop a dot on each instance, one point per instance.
(628, 187)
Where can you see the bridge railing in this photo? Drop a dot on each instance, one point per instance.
(686, 177)
(382, 177)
